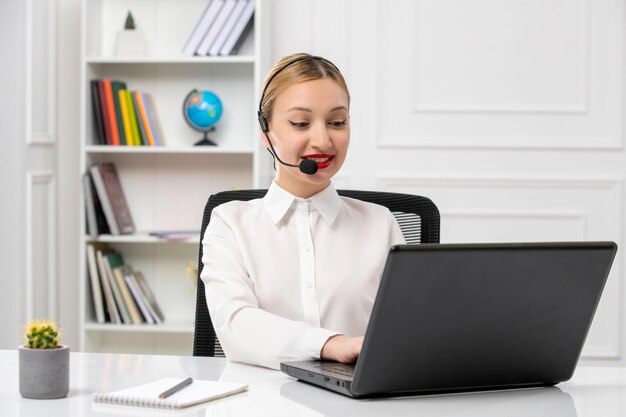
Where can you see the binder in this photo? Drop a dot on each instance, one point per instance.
(242, 26)
(202, 27)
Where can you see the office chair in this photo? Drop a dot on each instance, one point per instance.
(417, 216)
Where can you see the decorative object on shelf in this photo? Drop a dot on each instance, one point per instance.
(44, 363)
(130, 41)
(192, 271)
(202, 109)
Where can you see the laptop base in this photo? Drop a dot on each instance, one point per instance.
(343, 386)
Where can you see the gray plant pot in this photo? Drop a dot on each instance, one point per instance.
(44, 373)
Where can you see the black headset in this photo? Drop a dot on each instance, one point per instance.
(306, 166)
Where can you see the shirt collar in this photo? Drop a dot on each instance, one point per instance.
(278, 201)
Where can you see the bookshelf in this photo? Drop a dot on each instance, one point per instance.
(166, 187)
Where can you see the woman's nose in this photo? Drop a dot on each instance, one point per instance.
(321, 138)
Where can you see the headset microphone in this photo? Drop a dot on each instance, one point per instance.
(306, 166)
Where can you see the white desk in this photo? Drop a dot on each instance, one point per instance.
(591, 392)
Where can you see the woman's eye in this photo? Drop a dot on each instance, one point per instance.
(338, 123)
(299, 124)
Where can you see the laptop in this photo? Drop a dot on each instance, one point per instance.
(468, 317)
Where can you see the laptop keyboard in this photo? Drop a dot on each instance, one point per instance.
(334, 369)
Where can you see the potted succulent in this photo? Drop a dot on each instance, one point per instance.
(44, 363)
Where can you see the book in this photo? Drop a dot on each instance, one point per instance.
(147, 395)
(153, 305)
(142, 129)
(139, 298)
(112, 308)
(112, 197)
(144, 118)
(101, 221)
(153, 120)
(97, 114)
(228, 27)
(96, 284)
(110, 111)
(103, 114)
(104, 199)
(132, 307)
(202, 26)
(112, 260)
(116, 86)
(216, 27)
(133, 118)
(240, 31)
(90, 209)
(176, 234)
(128, 133)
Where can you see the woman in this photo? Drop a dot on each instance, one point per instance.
(294, 275)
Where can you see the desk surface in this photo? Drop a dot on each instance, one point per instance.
(591, 392)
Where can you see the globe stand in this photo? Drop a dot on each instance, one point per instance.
(205, 141)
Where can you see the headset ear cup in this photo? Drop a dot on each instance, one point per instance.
(262, 122)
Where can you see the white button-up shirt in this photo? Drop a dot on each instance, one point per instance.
(283, 274)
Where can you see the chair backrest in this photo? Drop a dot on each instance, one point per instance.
(417, 216)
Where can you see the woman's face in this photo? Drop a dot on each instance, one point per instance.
(310, 120)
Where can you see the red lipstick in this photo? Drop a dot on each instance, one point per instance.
(323, 160)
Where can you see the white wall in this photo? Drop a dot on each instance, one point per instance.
(11, 216)
(507, 114)
(68, 64)
(39, 166)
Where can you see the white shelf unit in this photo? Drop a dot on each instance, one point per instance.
(140, 238)
(167, 187)
(104, 149)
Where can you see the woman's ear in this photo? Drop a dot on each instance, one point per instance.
(264, 138)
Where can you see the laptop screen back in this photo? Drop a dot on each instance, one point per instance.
(473, 316)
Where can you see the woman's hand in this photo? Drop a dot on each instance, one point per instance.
(342, 348)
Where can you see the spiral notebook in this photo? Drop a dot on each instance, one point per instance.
(147, 395)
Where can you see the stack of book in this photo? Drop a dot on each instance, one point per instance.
(175, 235)
(120, 295)
(122, 117)
(221, 28)
(107, 211)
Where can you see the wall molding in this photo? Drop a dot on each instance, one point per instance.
(35, 180)
(580, 216)
(579, 108)
(614, 185)
(497, 142)
(612, 140)
(598, 182)
(600, 352)
(46, 137)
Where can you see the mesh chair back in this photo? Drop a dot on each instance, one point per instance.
(417, 216)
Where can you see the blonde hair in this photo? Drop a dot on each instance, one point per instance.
(293, 69)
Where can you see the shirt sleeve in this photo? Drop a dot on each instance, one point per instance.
(246, 332)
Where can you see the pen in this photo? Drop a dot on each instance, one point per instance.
(176, 388)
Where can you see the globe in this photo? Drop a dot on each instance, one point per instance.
(202, 109)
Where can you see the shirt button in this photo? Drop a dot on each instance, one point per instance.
(307, 247)
(309, 284)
